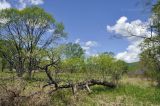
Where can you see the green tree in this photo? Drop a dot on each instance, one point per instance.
(8, 55)
(109, 53)
(73, 50)
(73, 65)
(118, 69)
(106, 66)
(28, 31)
(150, 56)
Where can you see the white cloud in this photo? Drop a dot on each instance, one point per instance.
(51, 30)
(36, 2)
(88, 47)
(91, 43)
(125, 29)
(77, 41)
(24, 3)
(123, 19)
(131, 54)
(20, 4)
(4, 4)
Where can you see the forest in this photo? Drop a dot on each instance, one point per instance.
(38, 68)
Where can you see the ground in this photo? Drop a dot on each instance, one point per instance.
(133, 91)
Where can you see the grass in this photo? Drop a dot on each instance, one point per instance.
(130, 92)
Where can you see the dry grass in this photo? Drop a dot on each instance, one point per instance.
(131, 92)
(138, 81)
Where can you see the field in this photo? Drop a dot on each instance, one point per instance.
(83, 53)
(133, 91)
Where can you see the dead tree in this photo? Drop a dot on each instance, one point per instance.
(74, 86)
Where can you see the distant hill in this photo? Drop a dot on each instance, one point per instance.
(134, 69)
(133, 66)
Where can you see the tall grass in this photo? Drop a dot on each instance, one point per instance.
(130, 92)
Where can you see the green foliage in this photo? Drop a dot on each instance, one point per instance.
(109, 53)
(150, 57)
(150, 65)
(133, 66)
(73, 50)
(131, 94)
(100, 64)
(25, 34)
(119, 68)
(107, 66)
(73, 65)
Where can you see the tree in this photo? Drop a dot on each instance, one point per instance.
(73, 58)
(27, 31)
(73, 50)
(73, 65)
(7, 54)
(150, 56)
(106, 66)
(118, 69)
(150, 61)
(108, 53)
(150, 47)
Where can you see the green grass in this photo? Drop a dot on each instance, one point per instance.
(139, 94)
(130, 92)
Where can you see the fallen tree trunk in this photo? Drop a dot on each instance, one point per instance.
(92, 82)
(75, 87)
(82, 85)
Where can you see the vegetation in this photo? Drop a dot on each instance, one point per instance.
(131, 91)
(150, 57)
(22, 36)
(39, 69)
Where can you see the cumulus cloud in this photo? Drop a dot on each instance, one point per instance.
(77, 41)
(4, 4)
(126, 29)
(91, 43)
(51, 30)
(88, 47)
(24, 3)
(36, 2)
(20, 4)
(131, 54)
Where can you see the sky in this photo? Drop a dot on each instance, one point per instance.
(94, 23)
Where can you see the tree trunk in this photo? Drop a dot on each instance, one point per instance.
(30, 68)
(50, 77)
(20, 69)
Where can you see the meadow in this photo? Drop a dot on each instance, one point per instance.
(134, 91)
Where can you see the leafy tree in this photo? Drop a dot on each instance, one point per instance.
(73, 60)
(27, 31)
(73, 65)
(73, 50)
(105, 65)
(150, 57)
(109, 53)
(8, 54)
(118, 69)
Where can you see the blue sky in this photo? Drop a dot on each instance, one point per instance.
(86, 20)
